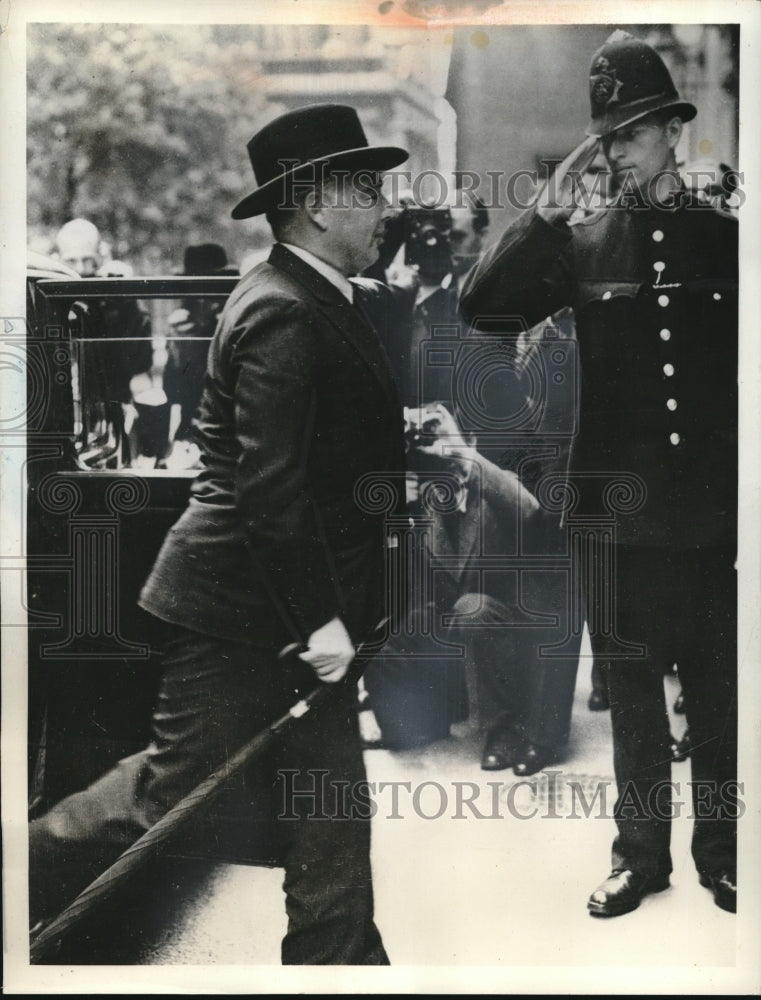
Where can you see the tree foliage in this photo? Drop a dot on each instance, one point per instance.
(143, 130)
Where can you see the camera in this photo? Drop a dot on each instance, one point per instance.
(420, 431)
(426, 238)
(424, 233)
(420, 427)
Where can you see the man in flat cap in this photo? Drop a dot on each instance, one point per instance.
(276, 547)
(652, 279)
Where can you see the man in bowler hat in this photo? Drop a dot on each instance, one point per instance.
(652, 279)
(193, 324)
(274, 548)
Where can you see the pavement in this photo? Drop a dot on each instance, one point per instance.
(479, 869)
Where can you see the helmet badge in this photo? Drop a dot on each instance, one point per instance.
(604, 83)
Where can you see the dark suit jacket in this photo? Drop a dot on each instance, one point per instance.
(654, 294)
(299, 405)
(471, 548)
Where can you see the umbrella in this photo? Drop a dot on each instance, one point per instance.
(145, 848)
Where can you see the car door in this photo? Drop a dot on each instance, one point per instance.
(115, 367)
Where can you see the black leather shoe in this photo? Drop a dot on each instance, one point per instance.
(681, 749)
(679, 703)
(724, 889)
(499, 750)
(598, 701)
(532, 758)
(622, 892)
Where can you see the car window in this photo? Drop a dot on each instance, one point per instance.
(138, 365)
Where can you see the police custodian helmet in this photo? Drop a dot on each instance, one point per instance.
(627, 80)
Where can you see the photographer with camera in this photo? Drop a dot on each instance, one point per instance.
(416, 693)
(524, 699)
(425, 255)
(467, 508)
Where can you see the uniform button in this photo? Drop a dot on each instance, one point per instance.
(674, 438)
(658, 235)
(671, 404)
(668, 370)
(717, 296)
(663, 300)
(665, 334)
(606, 295)
(659, 266)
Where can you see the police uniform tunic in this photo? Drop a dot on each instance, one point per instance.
(654, 293)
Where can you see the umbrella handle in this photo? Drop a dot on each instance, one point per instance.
(292, 649)
(295, 648)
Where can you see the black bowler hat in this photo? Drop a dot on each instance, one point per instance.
(628, 80)
(295, 143)
(206, 258)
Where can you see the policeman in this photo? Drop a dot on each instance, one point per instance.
(652, 279)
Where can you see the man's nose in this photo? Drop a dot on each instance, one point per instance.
(616, 147)
(385, 206)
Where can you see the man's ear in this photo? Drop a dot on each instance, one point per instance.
(314, 208)
(674, 131)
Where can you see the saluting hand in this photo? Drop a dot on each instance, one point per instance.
(556, 200)
(330, 651)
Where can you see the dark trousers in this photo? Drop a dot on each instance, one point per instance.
(527, 672)
(523, 685)
(215, 695)
(416, 693)
(681, 606)
(512, 623)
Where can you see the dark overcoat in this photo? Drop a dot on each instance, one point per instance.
(299, 406)
(654, 294)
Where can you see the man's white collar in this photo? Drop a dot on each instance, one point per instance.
(332, 274)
